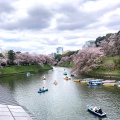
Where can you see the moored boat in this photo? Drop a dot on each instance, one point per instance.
(109, 84)
(118, 85)
(86, 80)
(76, 80)
(93, 84)
(108, 81)
(96, 111)
(97, 81)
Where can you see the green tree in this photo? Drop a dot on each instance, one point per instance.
(1, 55)
(58, 57)
(108, 35)
(69, 53)
(98, 40)
(11, 56)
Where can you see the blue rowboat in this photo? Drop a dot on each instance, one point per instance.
(93, 84)
(97, 81)
(97, 113)
(72, 75)
(42, 91)
(65, 73)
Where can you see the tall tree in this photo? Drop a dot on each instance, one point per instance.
(11, 56)
(58, 57)
(86, 59)
(111, 45)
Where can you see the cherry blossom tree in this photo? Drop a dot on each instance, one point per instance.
(111, 45)
(86, 59)
(3, 62)
(28, 59)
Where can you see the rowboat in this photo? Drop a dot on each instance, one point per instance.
(86, 80)
(118, 85)
(109, 84)
(76, 80)
(93, 84)
(96, 112)
(55, 83)
(97, 81)
(108, 81)
(43, 78)
(67, 78)
(65, 73)
(72, 75)
(28, 74)
(42, 91)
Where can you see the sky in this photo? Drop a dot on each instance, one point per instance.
(40, 26)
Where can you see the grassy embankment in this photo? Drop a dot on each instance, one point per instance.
(109, 65)
(66, 64)
(23, 69)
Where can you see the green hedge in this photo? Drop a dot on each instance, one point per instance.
(22, 69)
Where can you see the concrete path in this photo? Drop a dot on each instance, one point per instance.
(10, 108)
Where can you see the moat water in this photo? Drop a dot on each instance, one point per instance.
(67, 100)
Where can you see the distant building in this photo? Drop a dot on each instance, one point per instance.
(89, 43)
(59, 50)
(53, 55)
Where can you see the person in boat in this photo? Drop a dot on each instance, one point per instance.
(43, 88)
(90, 82)
(100, 111)
(95, 109)
(40, 89)
(55, 82)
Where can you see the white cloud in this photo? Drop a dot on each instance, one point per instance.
(100, 5)
(40, 26)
